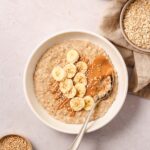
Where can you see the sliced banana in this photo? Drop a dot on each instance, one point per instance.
(70, 70)
(81, 89)
(89, 101)
(72, 56)
(71, 93)
(66, 85)
(81, 67)
(77, 103)
(80, 78)
(58, 73)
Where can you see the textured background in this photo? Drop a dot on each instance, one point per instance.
(23, 25)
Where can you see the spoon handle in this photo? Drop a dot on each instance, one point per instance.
(77, 141)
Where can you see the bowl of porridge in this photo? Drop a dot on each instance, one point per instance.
(66, 72)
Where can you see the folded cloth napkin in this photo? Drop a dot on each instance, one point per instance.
(138, 62)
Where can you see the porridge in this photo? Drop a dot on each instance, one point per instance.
(69, 75)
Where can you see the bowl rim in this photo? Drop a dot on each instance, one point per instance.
(65, 32)
(124, 8)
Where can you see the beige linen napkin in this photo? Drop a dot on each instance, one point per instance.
(137, 62)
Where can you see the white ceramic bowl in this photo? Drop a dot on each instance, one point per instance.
(117, 61)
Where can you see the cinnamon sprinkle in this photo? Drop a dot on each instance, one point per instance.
(84, 59)
(62, 104)
(57, 94)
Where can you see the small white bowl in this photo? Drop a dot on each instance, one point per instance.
(117, 61)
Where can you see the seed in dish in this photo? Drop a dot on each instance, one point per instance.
(69, 75)
(136, 23)
(14, 142)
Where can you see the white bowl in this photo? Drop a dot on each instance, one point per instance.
(117, 61)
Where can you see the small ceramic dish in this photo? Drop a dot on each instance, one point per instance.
(19, 136)
(117, 61)
(139, 49)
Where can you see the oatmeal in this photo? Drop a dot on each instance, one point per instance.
(69, 75)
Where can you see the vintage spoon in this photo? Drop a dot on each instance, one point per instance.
(98, 98)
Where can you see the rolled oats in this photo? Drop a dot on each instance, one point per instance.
(136, 23)
(14, 142)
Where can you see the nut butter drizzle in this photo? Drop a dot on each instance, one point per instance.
(98, 69)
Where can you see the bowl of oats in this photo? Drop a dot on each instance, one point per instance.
(65, 73)
(135, 24)
(14, 142)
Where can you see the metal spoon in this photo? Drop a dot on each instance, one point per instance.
(98, 98)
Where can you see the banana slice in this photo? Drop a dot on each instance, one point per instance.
(80, 78)
(71, 93)
(77, 103)
(81, 66)
(72, 56)
(58, 73)
(70, 70)
(81, 89)
(89, 101)
(66, 85)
